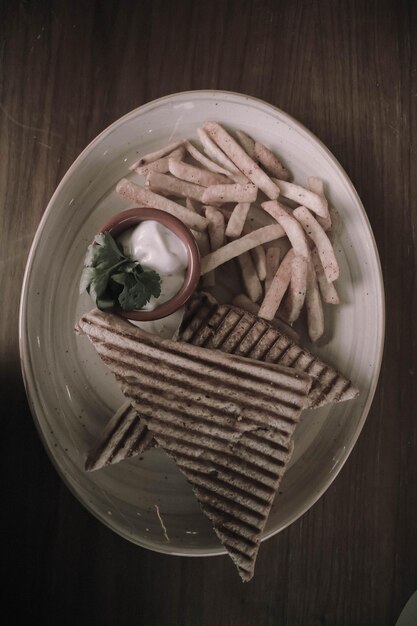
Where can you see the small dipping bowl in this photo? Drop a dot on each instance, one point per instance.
(127, 219)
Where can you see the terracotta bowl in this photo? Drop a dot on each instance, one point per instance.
(122, 221)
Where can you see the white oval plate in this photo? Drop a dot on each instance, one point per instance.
(72, 394)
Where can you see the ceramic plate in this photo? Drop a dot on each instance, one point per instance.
(72, 394)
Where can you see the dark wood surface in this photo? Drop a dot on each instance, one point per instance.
(347, 70)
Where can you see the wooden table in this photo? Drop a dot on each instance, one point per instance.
(347, 70)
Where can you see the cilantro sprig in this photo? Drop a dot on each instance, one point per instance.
(113, 279)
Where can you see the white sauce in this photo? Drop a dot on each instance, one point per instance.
(156, 247)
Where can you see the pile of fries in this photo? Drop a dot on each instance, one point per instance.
(285, 265)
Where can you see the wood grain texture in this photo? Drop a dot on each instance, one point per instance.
(348, 71)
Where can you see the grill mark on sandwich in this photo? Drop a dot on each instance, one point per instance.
(259, 350)
(248, 325)
(235, 336)
(278, 350)
(147, 442)
(249, 369)
(236, 477)
(215, 422)
(318, 397)
(196, 304)
(217, 437)
(244, 409)
(236, 542)
(325, 388)
(249, 536)
(119, 423)
(113, 438)
(241, 547)
(202, 412)
(286, 355)
(275, 445)
(192, 324)
(247, 531)
(347, 387)
(125, 440)
(242, 557)
(207, 330)
(169, 436)
(243, 563)
(228, 459)
(229, 504)
(239, 333)
(295, 357)
(316, 368)
(198, 308)
(253, 501)
(251, 338)
(209, 383)
(223, 330)
(330, 390)
(308, 362)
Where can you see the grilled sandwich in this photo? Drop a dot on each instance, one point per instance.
(227, 421)
(229, 329)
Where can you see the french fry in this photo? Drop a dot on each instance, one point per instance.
(215, 227)
(292, 227)
(162, 164)
(270, 162)
(327, 290)
(322, 242)
(241, 159)
(241, 245)
(317, 204)
(195, 175)
(259, 260)
(279, 286)
(162, 183)
(227, 212)
(139, 194)
(193, 205)
(250, 278)
(230, 193)
(315, 318)
(247, 143)
(214, 152)
(297, 289)
(316, 185)
(237, 220)
(208, 163)
(258, 255)
(243, 302)
(216, 236)
(158, 154)
(272, 258)
(203, 243)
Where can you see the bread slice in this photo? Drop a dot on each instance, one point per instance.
(226, 420)
(207, 323)
(124, 436)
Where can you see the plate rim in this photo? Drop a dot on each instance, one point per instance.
(23, 348)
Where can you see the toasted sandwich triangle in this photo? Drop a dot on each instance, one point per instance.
(227, 421)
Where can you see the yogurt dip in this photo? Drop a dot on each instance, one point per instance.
(156, 247)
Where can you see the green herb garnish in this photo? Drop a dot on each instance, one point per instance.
(112, 279)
